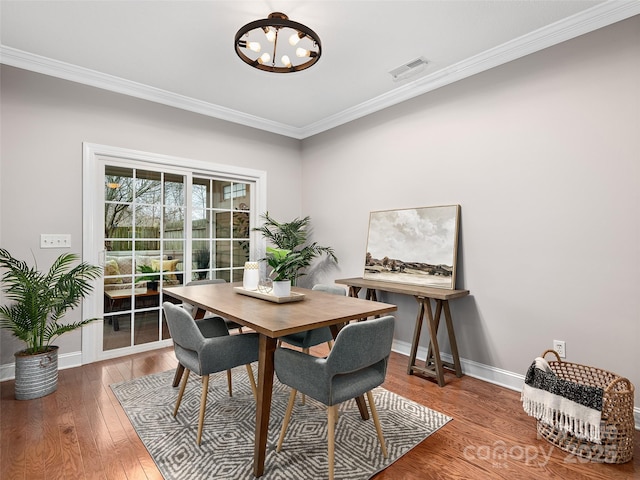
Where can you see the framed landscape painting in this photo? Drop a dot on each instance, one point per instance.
(416, 246)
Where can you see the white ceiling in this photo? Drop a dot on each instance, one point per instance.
(181, 53)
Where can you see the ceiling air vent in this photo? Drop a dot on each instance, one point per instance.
(408, 69)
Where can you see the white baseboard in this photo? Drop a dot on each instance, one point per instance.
(496, 376)
(66, 360)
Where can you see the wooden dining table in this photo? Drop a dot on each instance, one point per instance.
(272, 320)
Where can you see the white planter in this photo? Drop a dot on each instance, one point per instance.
(282, 288)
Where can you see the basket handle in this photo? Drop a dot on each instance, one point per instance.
(551, 351)
(629, 385)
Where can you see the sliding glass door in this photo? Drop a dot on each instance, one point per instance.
(163, 226)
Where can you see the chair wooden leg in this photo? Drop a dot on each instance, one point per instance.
(287, 417)
(229, 383)
(330, 344)
(203, 406)
(304, 397)
(185, 377)
(376, 422)
(333, 410)
(177, 376)
(252, 380)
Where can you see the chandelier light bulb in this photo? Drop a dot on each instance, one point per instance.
(270, 34)
(286, 61)
(295, 38)
(264, 58)
(301, 52)
(254, 46)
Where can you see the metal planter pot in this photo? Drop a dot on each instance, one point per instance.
(36, 375)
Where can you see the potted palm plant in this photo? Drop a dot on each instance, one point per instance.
(292, 253)
(39, 301)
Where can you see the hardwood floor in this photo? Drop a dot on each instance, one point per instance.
(81, 432)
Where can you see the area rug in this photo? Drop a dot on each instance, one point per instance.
(226, 451)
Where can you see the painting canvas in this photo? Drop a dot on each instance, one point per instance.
(414, 246)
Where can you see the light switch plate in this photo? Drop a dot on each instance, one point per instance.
(55, 240)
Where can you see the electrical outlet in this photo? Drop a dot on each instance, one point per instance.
(560, 348)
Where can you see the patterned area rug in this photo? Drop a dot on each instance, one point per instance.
(226, 451)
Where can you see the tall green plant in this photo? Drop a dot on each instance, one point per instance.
(40, 300)
(293, 237)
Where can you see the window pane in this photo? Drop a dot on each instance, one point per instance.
(146, 327)
(240, 253)
(118, 224)
(241, 197)
(116, 331)
(200, 229)
(174, 222)
(118, 216)
(222, 224)
(174, 190)
(148, 187)
(240, 224)
(222, 254)
(118, 184)
(200, 193)
(200, 255)
(219, 200)
(148, 221)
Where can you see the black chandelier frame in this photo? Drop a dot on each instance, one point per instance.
(277, 21)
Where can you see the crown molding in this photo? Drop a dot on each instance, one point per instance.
(592, 19)
(47, 66)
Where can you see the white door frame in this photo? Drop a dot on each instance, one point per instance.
(93, 225)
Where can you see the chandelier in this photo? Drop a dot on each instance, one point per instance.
(277, 44)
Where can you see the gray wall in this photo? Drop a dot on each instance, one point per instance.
(44, 122)
(543, 155)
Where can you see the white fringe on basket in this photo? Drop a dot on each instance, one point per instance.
(562, 413)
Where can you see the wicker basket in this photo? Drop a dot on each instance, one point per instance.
(617, 425)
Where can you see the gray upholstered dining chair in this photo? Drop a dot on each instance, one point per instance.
(356, 364)
(310, 338)
(207, 348)
(203, 322)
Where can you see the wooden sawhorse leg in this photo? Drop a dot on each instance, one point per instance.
(354, 291)
(434, 365)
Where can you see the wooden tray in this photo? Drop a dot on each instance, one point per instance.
(294, 297)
